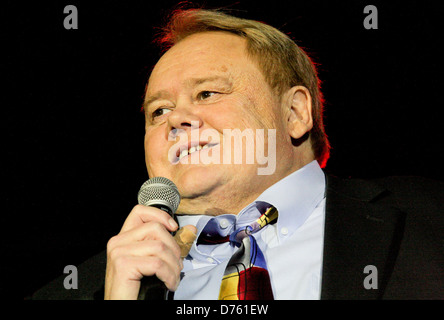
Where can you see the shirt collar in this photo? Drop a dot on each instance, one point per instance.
(295, 197)
(223, 224)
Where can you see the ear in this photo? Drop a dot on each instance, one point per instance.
(299, 111)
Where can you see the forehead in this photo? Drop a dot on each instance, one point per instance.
(200, 55)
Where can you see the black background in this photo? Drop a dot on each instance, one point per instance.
(84, 157)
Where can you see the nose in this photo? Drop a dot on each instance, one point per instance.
(183, 118)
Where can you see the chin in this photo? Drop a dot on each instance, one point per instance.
(198, 181)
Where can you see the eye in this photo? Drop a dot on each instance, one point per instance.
(160, 112)
(205, 95)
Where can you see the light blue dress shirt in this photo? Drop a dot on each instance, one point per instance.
(292, 247)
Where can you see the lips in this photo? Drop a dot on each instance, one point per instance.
(190, 148)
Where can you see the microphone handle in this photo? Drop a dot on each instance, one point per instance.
(152, 288)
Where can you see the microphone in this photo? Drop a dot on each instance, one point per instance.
(161, 193)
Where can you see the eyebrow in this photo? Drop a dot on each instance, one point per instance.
(197, 81)
(192, 82)
(158, 95)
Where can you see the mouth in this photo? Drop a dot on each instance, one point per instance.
(185, 151)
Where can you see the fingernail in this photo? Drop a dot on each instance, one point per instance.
(173, 223)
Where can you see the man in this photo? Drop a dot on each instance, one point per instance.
(332, 239)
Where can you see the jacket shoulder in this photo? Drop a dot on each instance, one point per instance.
(406, 190)
(413, 192)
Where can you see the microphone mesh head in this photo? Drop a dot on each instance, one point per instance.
(159, 191)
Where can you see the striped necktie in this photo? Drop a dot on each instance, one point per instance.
(246, 276)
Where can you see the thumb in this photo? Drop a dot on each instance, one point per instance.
(185, 238)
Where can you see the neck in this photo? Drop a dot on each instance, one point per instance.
(230, 198)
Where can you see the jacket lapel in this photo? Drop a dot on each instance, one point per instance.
(361, 229)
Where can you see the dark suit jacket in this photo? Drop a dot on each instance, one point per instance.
(394, 224)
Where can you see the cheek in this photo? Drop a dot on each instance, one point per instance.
(238, 112)
(154, 149)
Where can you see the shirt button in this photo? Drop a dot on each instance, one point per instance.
(284, 231)
(223, 223)
(210, 260)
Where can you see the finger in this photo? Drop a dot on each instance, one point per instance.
(148, 248)
(142, 214)
(126, 285)
(146, 231)
(152, 266)
(185, 238)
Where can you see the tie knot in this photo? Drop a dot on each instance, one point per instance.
(269, 217)
(214, 234)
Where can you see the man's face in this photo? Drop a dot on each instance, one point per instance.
(204, 84)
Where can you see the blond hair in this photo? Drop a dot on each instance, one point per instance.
(282, 62)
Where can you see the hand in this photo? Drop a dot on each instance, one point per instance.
(143, 247)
